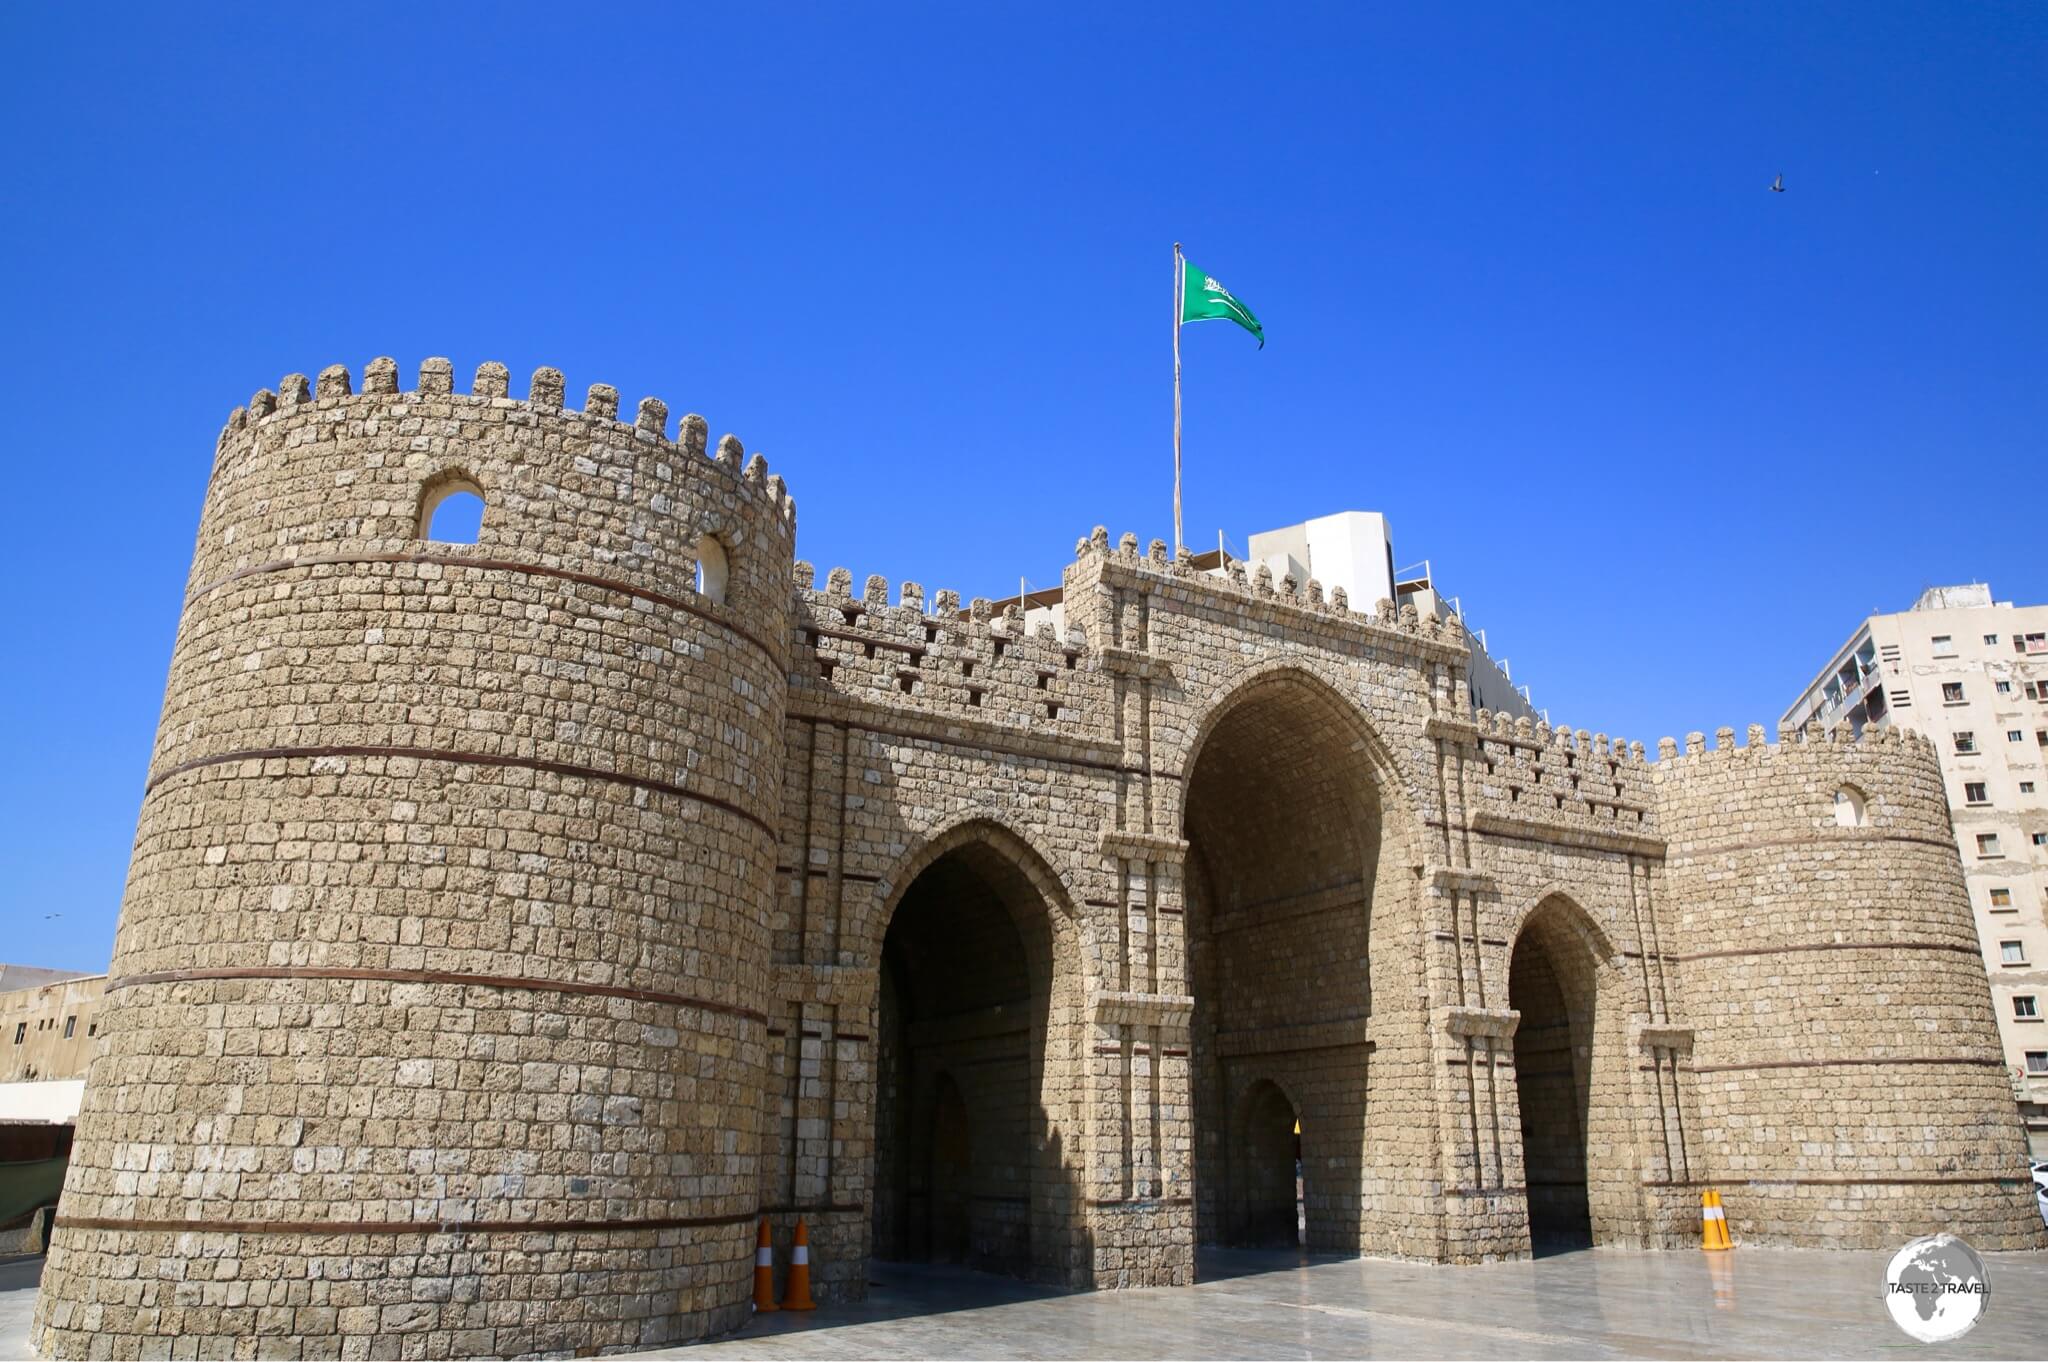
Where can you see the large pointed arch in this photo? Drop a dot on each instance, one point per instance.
(1302, 841)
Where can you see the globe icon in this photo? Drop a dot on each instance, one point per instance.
(1936, 1288)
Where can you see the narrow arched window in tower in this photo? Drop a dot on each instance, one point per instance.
(711, 570)
(1849, 807)
(451, 511)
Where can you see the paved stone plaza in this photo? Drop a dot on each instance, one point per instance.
(1598, 1303)
(1759, 1303)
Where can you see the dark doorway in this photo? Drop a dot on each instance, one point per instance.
(962, 1017)
(1269, 1211)
(1551, 1062)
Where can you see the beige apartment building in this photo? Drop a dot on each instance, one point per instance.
(49, 1030)
(1972, 673)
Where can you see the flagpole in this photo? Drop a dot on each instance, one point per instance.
(1179, 276)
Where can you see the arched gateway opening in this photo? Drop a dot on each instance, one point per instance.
(971, 1047)
(1285, 831)
(1566, 1052)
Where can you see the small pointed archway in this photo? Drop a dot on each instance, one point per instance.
(1572, 1084)
(977, 999)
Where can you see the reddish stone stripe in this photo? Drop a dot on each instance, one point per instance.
(1992, 1062)
(1957, 1181)
(1832, 946)
(559, 768)
(489, 565)
(1733, 848)
(425, 976)
(310, 1227)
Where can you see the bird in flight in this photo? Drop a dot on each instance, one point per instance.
(1778, 185)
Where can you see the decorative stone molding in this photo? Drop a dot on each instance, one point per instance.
(1499, 1023)
(1168, 1011)
(1125, 662)
(1443, 878)
(1450, 730)
(1650, 1037)
(1559, 833)
(1144, 846)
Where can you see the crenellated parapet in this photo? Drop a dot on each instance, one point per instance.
(934, 658)
(1583, 785)
(1889, 780)
(283, 482)
(1238, 591)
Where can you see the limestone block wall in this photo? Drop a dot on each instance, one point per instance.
(436, 1017)
(1850, 1082)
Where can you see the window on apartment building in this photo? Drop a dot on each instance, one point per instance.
(2012, 953)
(1987, 844)
(1966, 741)
(2037, 1061)
(1951, 692)
(20, 1032)
(2037, 690)
(1991, 640)
(2026, 787)
(2030, 643)
(2015, 735)
(1944, 646)
(2023, 1005)
(70, 1026)
(2041, 839)
(1973, 792)
(2004, 687)
(2001, 898)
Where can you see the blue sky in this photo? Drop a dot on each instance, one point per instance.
(1667, 434)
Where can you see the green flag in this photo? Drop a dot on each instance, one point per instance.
(1203, 299)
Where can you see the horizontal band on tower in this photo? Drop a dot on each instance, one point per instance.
(1984, 1061)
(558, 768)
(428, 976)
(322, 1227)
(1956, 947)
(488, 565)
(1807, 840)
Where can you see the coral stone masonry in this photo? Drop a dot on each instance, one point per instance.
(511, 924)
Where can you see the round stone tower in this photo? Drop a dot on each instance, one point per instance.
(1851, 1087)
(436, 1009)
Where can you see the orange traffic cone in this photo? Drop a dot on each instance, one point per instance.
(1713, 1223)
(798, 1297)
(764, 1271)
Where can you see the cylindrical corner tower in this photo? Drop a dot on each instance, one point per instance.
(1851, 1087)
(436, 1007)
